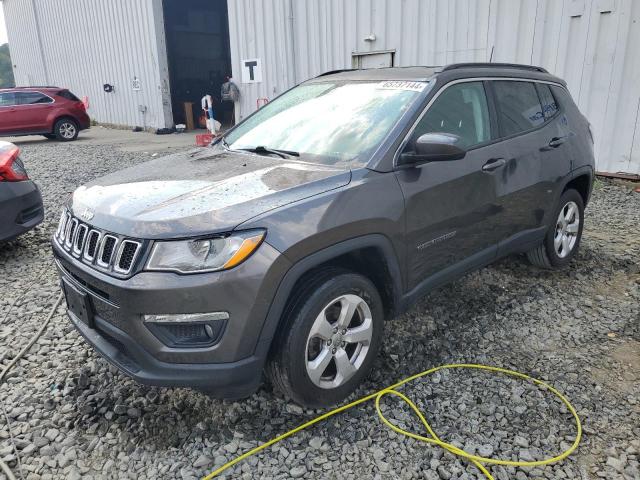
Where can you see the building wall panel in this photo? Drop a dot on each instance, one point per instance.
(589, 43)
(87, 43)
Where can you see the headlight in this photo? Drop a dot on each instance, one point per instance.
(205, 255)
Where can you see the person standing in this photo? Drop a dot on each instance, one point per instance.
(229, 94)
(207, 107)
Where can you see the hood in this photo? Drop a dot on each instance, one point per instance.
(205, 191)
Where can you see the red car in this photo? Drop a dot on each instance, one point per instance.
(50, 111)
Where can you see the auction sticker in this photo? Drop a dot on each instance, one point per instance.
(403, 85)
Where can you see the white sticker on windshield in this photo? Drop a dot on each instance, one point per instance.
(402, 85)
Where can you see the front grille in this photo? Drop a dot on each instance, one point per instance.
(102, 250)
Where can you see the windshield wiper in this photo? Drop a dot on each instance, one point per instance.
(261, 150)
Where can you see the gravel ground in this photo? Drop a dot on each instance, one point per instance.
(73, 416)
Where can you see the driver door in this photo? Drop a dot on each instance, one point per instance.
(452, 212)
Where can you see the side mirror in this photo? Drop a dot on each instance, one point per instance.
(434, 147)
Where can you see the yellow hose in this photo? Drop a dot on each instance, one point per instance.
(478, 461)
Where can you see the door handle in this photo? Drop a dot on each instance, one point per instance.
(557, 141)
(493, 164)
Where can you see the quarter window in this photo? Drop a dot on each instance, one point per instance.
(460, 110)
(68, 95)
(518, 106)
(549, 105)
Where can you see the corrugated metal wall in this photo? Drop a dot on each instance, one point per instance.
(83, 44)
(590, 43)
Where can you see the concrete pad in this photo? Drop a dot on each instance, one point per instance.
(123, 140)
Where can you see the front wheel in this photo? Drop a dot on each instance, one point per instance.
(562, 240)
(329, 340)
(66, 130)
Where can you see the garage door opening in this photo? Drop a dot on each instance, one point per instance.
(197, 33)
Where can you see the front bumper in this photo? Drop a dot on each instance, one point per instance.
(230, 368)
(21, 208)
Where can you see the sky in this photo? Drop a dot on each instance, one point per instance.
(3, 28)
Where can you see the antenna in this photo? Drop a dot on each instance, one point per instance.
(491, 56)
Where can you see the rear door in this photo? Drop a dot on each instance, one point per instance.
(7, 108)
(31, 111)
(535, 155)
(451, 208)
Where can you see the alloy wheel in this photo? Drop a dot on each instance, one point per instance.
(67, 130)
(339, 341)
(567, 229)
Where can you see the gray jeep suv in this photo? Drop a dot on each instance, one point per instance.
(284, 246)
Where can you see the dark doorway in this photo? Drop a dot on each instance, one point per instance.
(197, 34)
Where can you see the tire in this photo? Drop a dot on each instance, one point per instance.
(49, 136)
(294, 351)
(66, 130)
(550, 254)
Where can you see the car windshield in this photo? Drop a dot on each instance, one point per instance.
(334, 123)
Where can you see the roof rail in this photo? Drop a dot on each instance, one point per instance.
(455, 66)
(331, 72)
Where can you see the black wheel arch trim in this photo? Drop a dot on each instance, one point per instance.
(562, 185)
(580, 172)
(288, 282)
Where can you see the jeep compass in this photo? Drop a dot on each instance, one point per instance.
(285, 245)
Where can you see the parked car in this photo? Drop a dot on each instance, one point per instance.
(53, 112)
(287, 244)
(20, 200)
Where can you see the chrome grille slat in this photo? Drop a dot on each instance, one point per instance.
(91, 245)
(69, 235)
(101, 250)
(80, 237)
(126, 256)
(107, 248)
(61, 226)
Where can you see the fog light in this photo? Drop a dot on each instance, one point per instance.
(187, 329)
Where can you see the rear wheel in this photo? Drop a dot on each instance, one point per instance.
(562, 240)
(66, 130)
(329, 340)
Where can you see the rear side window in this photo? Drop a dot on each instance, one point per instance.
(68, 95)
(518, 106)
(31, 98)
(460, 110)
(7, 99)
(549, 105)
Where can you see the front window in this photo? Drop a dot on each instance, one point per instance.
(460, 110)
(7, 99)
(334, 123)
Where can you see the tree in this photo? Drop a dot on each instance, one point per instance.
(6, 71)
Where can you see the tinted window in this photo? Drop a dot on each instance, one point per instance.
(7, 99)
(518, 106)
(31, 98)
(461, 110)
(68, 95)
(549, 106)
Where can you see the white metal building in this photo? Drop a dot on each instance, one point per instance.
(270, 45)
